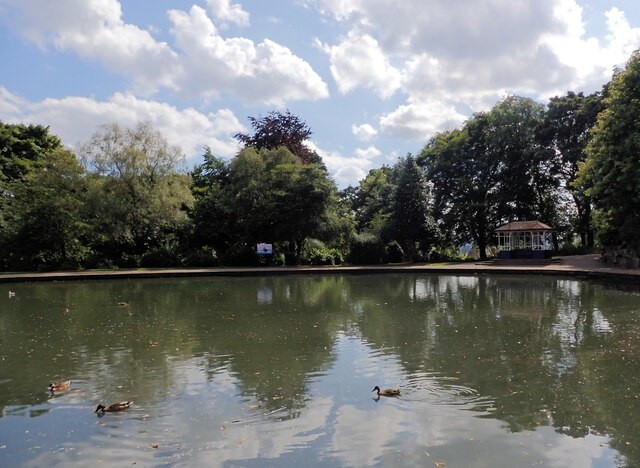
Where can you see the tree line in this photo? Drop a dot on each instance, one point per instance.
(125, 198)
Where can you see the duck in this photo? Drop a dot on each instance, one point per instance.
(387, 391)
(120, 406)
(59, 387)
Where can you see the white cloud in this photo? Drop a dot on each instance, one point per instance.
(347, 170)
(452, 59)
(359, 61)
(368, 153)
(206, 65)
(75, 119)
(224, 10)
(267, 73)
(364, 132)
(94, 29)
(417, 121)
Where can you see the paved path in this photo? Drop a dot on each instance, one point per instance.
(583, 266)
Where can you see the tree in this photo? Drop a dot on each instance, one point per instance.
(213, 211)
(372, 200)
(465, 178)
(529, 168)
(411, 220)
(278, 198)
(139, 196)
(568, 121)
(48, 229)
(496, 169)
(611, 172)
(278, 129)
(23, 147)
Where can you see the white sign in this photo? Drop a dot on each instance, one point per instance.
(265, 248)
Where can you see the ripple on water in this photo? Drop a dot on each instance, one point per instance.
(432, 389)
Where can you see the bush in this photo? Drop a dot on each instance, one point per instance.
(160, 258)
(240, 254)
(366, 249)
(202, 258)
(314, 252)
(394, 252)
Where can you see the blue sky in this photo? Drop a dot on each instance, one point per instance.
(373, 79)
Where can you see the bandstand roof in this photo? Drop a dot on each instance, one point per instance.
(524, 226)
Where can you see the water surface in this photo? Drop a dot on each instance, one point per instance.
(278, 371)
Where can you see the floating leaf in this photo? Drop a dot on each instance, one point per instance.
(153, 445)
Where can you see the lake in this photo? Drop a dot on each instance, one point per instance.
(279, 371)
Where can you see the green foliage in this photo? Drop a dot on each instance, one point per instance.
(366, 249)
(373, 199)
(567, 124)
(278, 198)
(47, 229)
(611, 172)
(138, 195)
(204, 258)
(496, 169)
(411, 220)
(240, 254)
(315, 252)
(394, 252)
(22, 148)
(213, 212)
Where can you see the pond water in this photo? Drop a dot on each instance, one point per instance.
(278, 371)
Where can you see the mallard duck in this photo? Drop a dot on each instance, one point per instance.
(122, 405)
(387, 391)
(60, 387)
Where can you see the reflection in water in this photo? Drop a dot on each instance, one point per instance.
(279, 370)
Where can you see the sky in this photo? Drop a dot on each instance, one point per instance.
(373, 79)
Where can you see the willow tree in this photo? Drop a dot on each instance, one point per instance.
(140, 193)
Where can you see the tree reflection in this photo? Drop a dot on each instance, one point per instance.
(535, 351)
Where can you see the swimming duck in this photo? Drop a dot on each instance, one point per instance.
(387, 391)
(60, 387)
(122, 405)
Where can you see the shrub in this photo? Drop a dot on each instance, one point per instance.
(240, 254)
(160, 257)
(315, 252)
(366, 249)
(202, 258)
(394, 252)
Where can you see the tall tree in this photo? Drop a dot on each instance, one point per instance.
(568, 121)
(411, 219)
(465, 176)
(213, 211)
(22, 147)
(496, 169)
(278, 129)
(611, 172)
(278, 198)
(372, 201)
(48, 229)
(140, 194)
